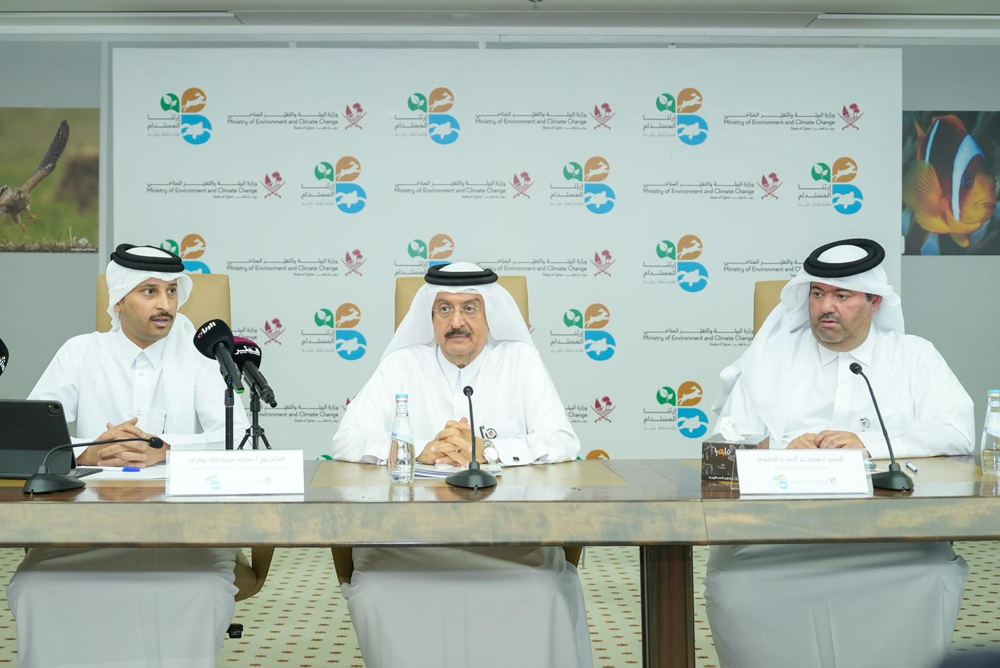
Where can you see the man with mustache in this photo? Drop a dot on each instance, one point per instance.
(852, 605)
(130, 607)
(410, 605)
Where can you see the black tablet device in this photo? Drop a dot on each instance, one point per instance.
(29, 429)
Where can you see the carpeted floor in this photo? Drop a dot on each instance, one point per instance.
(300, 618)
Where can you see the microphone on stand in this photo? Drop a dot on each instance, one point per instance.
(894, 479)
(247, 356)
(43, 482)
(473, 477)
(214, 340)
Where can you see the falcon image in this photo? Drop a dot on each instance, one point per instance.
(15, 201)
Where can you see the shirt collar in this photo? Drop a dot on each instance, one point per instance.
(862, 353)
(129, 352)
(452, 373)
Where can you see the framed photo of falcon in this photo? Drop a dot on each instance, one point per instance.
(49, 180)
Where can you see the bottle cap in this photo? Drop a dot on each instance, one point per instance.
(990, 393)
(402, 396)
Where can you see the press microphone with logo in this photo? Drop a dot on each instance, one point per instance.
(473, 477)
(214, 340)
(248, 357)
(4, 356)
(43, 482)
(894, 479)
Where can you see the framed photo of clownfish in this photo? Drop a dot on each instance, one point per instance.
(951, 161)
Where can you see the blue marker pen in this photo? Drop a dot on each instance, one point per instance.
(912, 467)
(130, 469)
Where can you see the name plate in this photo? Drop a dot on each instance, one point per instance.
(235, 472)
(802, 472)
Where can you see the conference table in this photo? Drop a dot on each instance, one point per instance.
(660, 505)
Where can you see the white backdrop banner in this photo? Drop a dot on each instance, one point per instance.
(642, 192)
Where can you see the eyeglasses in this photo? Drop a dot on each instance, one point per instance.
(468, 311)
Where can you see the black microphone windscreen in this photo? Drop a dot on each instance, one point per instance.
(246, 351)
(210, 335)
(155, 442)
(4, 356)
(855, 367)
(467, 390)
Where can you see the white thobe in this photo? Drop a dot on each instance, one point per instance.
(130, 607)
(535, 615)
(846, 605)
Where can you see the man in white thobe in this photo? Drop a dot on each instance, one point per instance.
(876, 605)
(410, 606)
(131, 607)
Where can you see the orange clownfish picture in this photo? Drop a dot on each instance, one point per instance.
(950, 188)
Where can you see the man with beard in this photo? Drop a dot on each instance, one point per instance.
(131, 607)
(411, 605)
(852, 605)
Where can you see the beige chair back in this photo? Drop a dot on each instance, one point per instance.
(209, 299)
(766, 295)
(407, 286)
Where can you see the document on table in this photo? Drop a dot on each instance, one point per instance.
(429, 471)
(158, 472)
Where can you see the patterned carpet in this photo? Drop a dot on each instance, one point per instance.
(300, 619)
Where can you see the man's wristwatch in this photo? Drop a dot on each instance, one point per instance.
(490, 452)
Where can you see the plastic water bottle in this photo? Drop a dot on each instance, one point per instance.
(401, 455)
(990, 446)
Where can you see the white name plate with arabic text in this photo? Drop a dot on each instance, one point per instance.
(806, 473)
(235, 472)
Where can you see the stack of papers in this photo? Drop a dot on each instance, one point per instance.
(429, 471)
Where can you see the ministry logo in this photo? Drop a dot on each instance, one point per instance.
(442, 127)
(273, 183)
(190, 249)
(194, 128)
(769, 183)
(353, 113)
(273, 329)
(676, 409)
(602, 114)
(354, 260)
(676, 264)
(522, 184)
(349, 196)
(676, 117)
(350, 344)
(836, 186)
(598, 196)
(437, 252)
(596, 342)
(603, 407)
(602, 262)
(850, 114)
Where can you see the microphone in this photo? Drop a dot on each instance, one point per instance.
(43, 482)
(894, 479)
(248, 357)
(4, 356)
(473, 477)
(214, 340)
